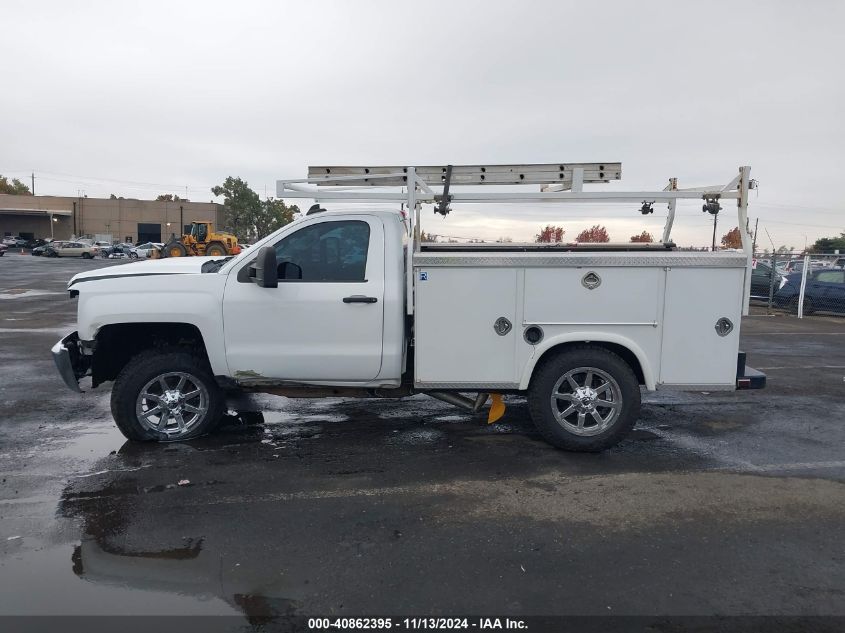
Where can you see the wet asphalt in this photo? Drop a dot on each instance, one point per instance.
(718, 504)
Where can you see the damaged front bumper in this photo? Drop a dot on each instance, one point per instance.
(70, 361)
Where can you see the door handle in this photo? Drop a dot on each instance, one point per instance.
(359, 299)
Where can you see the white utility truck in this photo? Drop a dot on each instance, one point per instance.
(350, 303)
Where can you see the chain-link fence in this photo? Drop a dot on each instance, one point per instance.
(799, 283)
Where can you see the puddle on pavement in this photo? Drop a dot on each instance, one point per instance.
(111, 585)
(273, 419)
(22, 293)
(93, 444)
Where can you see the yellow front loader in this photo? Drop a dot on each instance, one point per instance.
(202, 240)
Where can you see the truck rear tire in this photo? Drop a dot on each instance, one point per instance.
(584, 399)
(166, 395)
(215, 249)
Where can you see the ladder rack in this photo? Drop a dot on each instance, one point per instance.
(559, 183)
(467, 174)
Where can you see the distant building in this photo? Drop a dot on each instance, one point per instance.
(124, 219)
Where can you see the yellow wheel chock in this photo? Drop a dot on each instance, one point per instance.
(497, 408)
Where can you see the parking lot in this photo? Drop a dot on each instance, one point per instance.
(718, 503)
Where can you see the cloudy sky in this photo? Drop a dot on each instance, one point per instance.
(141, 98)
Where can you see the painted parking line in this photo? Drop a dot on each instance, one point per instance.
(801, 367)
(34, 330)
(809, 333)
(762, 468)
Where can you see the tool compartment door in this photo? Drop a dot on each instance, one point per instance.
(693, 353)
(454, 337)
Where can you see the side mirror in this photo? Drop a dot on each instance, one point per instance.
(289, 270)
(264, 271)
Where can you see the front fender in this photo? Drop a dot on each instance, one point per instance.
(190, 299)
(586, 336)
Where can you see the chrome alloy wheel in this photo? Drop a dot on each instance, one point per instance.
(172, 403)
(586, 401)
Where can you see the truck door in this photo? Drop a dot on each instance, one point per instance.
(326, 326)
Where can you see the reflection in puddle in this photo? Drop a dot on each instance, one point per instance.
(130, 542)
(46, 581)
(90, 444)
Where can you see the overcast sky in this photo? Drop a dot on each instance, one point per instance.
(143, 98)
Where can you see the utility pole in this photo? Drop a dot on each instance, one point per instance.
(33, 183)
(754, 239)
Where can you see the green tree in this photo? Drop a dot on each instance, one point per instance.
(829, 244)
(16, 187)
(274, 215)
(246, 215)
(169, 197)
(241, 205)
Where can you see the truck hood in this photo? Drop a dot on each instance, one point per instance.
(168, 266)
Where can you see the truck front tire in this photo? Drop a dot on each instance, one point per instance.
(585, 398)
(175, 249)
(166, 395)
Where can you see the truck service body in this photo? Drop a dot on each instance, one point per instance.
(350, 302)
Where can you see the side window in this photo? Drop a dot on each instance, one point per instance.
(328, 251)
(831, 276)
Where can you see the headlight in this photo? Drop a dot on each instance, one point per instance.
(782, 282)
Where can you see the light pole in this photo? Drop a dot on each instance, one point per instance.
(52, 219)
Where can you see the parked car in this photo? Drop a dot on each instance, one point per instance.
(99, 246)
(3, 249)
(761, 275)
(35, 243)
(38, 251)
(69, 249)
(839, 263)
(142, 251)
(825, 290)
(120, 251)
(10, 240)
(107, 251)
(793, 266)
